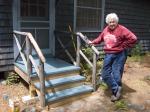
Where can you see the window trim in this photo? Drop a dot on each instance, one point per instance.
(75, 18)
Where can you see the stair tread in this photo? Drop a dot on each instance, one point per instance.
(51, 67)
(50, 97)
(59, 81)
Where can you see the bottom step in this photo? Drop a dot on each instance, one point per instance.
(60, 95)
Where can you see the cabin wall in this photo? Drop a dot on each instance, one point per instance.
(6, 40)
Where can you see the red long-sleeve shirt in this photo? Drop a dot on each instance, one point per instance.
(116, 40)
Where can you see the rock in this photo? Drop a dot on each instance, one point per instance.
(3, 82)
(136, 107)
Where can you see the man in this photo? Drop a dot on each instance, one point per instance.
(117, 39)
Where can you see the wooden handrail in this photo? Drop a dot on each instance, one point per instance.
(95, 54)
(84, 38)
(34, 43)
(30, 61)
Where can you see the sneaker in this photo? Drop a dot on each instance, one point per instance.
(113, 98)
(118, 94)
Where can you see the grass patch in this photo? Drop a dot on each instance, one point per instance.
(103, 86)
(136, 58)
(147, 78)
(121, 105)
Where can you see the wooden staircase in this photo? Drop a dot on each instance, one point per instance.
(54, 80)
(62, 81)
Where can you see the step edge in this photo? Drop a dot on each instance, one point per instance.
(85, 90)
(82, 78)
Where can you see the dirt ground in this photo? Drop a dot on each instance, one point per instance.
(135, 94)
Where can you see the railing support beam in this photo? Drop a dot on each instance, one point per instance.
(28, 53)
(42, 84)
(78, 51)
(94, 71)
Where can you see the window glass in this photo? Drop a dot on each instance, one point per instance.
(88, 15)
(34, 8)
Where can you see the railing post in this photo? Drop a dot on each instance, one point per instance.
(94, 71)
(42, 83)
(78, 51)
(28, 52)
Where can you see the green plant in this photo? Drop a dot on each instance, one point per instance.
(121, 105)
(12, 78)
(136, 51)
(85, 67)
(88, 52)
(103, 86)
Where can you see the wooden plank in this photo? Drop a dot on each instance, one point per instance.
(94, 71)
(34, 65)
(78, 51)
(34, 43)
(6, 50)
(22, 55)
(6, 62)
(66, 51)
(39, 52)
(6, 68)
(86, 40)
(6, 56)
(86, 59)
(7, 24)
(42, 85)
(28, 53)
(5, 2)
(6, 30)
(21, 74)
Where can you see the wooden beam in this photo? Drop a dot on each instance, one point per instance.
(67, 52)
(86, 59)
(34, 65)
(22, 74)
(21, 53)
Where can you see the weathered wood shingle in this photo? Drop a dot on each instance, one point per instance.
(6, 40)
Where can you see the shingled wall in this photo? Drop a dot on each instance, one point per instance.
(6, 40)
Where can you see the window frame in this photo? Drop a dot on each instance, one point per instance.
(87, 30)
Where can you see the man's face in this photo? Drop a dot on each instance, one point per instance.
(112, 24)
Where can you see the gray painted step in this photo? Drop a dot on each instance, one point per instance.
(52, 97)
(61, 81)
(51, 67)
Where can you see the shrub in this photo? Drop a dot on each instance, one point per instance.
(12, 78)
(137, 50)
(85, 67)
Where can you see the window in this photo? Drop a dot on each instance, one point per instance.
(34, 8)
(89, 15)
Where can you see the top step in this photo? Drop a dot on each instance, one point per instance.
(51, 67)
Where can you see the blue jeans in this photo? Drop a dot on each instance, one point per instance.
(113, 69)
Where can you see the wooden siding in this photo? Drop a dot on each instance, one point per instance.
(64, 14)
(6, 41)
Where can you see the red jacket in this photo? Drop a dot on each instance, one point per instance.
(117, 40)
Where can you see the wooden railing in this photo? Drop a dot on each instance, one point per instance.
(57, 35)
(28, 45)
(79, 52)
